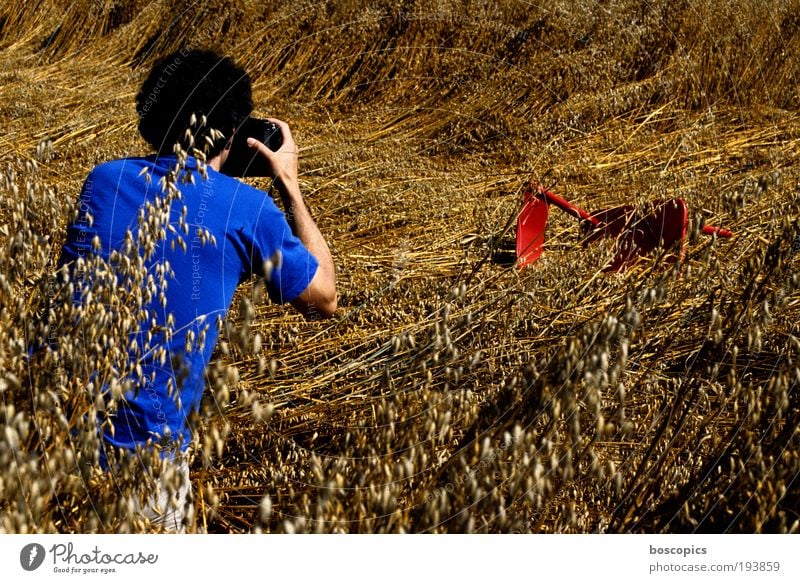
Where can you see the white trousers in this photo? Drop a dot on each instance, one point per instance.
(170, 502)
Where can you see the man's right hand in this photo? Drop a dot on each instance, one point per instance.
(283, 162)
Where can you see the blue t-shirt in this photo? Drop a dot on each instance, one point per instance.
(249, 229)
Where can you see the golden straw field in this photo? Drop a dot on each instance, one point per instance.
(452, 392)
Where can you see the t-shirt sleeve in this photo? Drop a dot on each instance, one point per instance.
(81, 231)
(279, 256)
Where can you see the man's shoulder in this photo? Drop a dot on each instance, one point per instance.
(249, 200)
(124, 169)
(114, 169)
(229, 182)
(119, 163)
(160, 166)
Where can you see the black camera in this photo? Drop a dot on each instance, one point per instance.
(244, 161)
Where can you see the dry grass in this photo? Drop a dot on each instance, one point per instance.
(451, 393)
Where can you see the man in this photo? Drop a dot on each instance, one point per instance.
(234, 231)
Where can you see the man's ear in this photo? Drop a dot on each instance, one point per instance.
(230, 140)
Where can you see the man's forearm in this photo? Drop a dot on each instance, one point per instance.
(319, 298)
(305, 229)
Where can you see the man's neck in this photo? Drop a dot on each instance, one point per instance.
(216, 162)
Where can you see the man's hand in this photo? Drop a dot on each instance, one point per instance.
(283, 162)
(318, 300)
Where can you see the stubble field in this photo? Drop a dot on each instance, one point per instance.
(453, 392)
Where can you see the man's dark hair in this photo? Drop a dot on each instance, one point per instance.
(186, 82)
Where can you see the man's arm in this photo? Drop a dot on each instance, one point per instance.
(318, 300)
